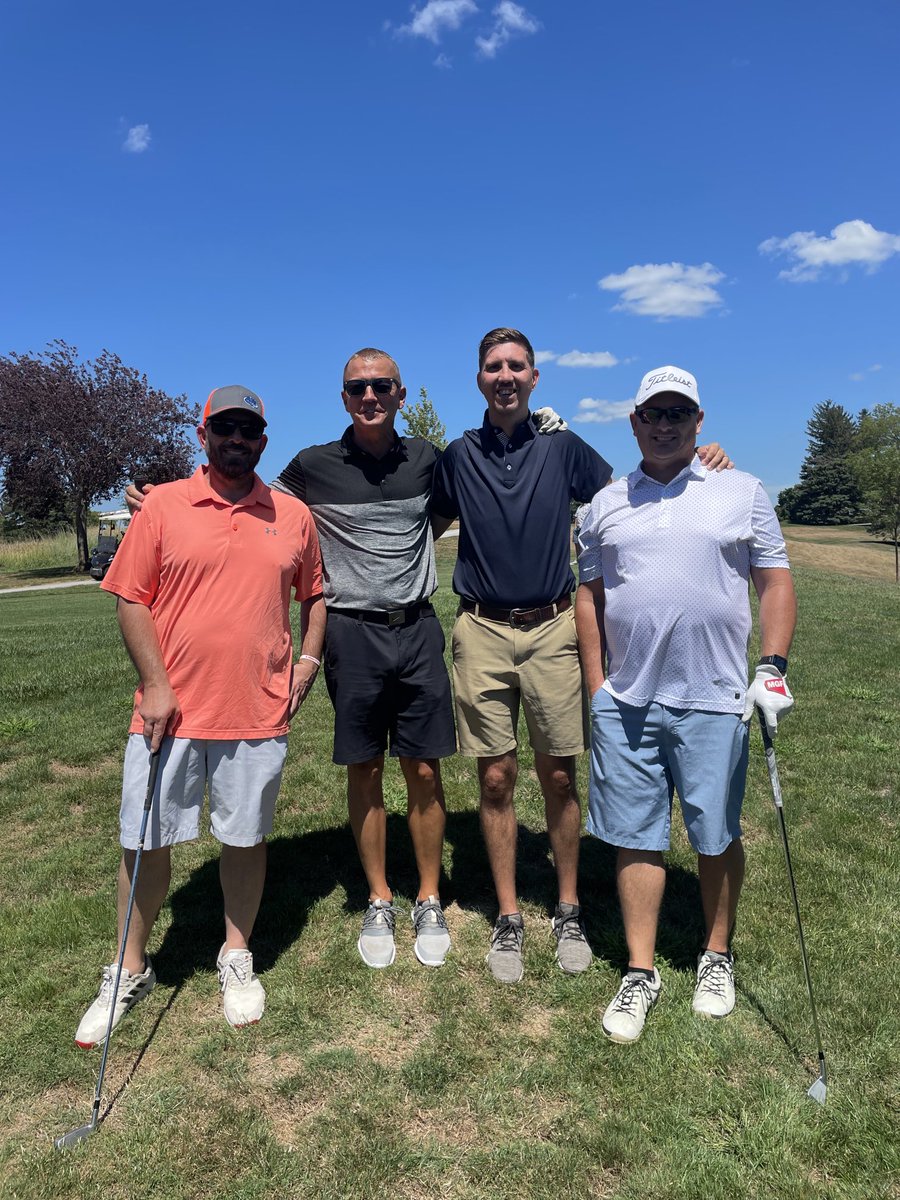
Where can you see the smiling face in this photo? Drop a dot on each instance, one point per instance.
(506, 380)
(233, 455)
(373, 411)
(666, 448)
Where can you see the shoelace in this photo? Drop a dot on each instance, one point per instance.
(428, 913)
(506, 937)
(634, 992)
(568, 928)
(239, 967)
(714, 976)
(382, 914)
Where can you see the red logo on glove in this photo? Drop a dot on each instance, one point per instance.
(776, 685)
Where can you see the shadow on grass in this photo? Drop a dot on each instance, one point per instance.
(305, 868)
(132, 1070)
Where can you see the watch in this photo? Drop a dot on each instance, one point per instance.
(774, 660)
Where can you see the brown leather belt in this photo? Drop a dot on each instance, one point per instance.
(517, 617)
(393, 618)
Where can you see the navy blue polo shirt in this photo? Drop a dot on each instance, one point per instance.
(512, 498)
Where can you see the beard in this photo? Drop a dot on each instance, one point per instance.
(233, 461)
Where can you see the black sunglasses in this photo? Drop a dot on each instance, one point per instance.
(358, 387)
(225, 427)
(676, 415)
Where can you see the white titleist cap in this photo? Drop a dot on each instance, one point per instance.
(667, 379)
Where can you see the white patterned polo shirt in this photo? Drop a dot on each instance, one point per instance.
(675, 562)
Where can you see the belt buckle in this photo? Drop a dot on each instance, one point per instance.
(395, 617)
(515, 613)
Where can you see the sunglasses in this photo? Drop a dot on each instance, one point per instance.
(676, 415)
(358, 387)
(251, 430)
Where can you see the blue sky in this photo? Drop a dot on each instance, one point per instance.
(226, 193)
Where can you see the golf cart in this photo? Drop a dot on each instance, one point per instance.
(112, 530)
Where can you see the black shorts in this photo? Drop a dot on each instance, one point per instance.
(389, 686)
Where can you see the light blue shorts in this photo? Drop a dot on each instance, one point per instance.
(640, 756)
(243, 779)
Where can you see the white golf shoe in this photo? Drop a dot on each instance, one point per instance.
(625, 1015)
(714, 993)
(92, 1028)
(243, 996)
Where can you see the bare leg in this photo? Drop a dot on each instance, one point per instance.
(151, 889)
(563, 813)
(641, 879)
(242, 874)
(427, 817)
(497, 777)
(721, 877)
(368, 820)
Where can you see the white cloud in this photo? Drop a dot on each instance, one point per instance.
(444, 62)
(509, 19)
(666, 289)
(852, 243)
(138, 139)
(577, 358)
(859, 376)
(437, 17)
(875, 367)
(601, 412)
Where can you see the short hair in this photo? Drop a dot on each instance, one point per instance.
(368, 353)
(497, 337)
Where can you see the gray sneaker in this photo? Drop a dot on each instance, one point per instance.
(626, 1013)
(714, 993)
(572, 950)
(376, 940)
(432, 935)
(505, 955)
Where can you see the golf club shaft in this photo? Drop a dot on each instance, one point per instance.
(779, 807)
(148, 804)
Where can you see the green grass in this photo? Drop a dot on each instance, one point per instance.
(410, 1083)
(46, 559)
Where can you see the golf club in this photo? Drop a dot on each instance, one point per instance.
(819, 1088)
(77, 1135)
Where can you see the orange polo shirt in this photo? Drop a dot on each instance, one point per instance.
(217, 578)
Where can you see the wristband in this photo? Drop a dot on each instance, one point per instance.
(309, 658)
(774, 660)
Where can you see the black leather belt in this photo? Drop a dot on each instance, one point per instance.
(393, 617)
(517, 617)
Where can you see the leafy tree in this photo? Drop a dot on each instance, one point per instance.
(877, 463)
(76, 432)
(828, 492)
(422, 421)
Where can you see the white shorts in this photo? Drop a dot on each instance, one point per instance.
(243, 778)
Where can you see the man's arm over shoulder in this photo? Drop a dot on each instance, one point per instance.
(444, 505)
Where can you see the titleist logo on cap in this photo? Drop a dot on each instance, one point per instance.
(668, 377)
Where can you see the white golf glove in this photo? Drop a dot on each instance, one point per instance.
(769, 693)
(548, 421)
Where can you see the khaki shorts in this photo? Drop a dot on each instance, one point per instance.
(496, 666)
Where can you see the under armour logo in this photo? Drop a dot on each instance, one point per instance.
(274, 532)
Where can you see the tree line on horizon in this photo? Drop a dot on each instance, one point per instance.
(851, 473)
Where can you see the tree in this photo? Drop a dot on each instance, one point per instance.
(80, 430)
(422, 421)
(877, 463)
(828, 492)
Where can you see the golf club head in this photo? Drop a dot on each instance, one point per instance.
(74, 1136)
(818, 1091)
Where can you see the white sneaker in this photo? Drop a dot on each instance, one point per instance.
(432, 934)
(243, 996)
(714, 993)
(624, 1018)
(376, 940)
(92, 1028)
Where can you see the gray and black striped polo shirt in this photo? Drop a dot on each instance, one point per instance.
(372, 516)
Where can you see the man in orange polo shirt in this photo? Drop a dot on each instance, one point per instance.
(203, 580)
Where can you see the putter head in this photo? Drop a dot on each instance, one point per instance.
(74, 1136)
(818, 1091)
